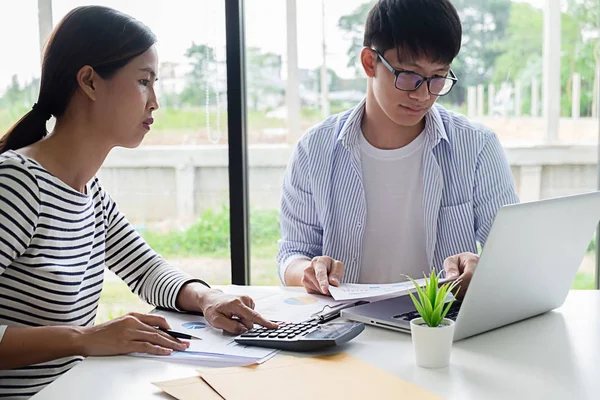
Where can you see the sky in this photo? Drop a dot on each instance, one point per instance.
(178, 23)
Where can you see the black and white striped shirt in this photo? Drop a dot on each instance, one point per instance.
(54, 244)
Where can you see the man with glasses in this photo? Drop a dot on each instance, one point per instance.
(397, 185)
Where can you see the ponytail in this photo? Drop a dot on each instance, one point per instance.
(29, 129)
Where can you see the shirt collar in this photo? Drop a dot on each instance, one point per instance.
(351, 128)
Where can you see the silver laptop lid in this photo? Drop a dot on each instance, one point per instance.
(529, 261)
(527, 267)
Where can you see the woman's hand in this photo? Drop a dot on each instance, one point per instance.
(231, 313)
(131, 333)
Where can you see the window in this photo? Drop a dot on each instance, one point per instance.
(500, 72)
(174, 188)
(282, 106)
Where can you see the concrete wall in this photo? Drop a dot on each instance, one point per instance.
(177, 183)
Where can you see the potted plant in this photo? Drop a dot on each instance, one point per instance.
(432, 333)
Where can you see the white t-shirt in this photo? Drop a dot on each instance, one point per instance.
(394, 237)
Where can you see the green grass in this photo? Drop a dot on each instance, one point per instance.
(116, 300)
(584, 281)
(8, 117)
(209, 236)
(182, 121)
(186, 119)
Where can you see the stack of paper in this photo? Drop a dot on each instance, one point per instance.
(358, 291)
(293, 305)
(338, 376)
(214, 348)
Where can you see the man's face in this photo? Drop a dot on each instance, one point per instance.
(405, 108)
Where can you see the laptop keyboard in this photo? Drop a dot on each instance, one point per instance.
(452, 313)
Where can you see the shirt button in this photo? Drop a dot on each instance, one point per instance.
(359, 225)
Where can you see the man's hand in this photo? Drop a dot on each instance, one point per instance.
(461, 266)
(321, 272)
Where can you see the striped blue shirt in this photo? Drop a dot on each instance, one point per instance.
(466, 179)
(54, 245)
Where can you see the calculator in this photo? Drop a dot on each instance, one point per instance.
(306, 336)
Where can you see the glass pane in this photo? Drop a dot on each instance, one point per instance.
(272, 133)
(504, 92)
(173, 188)
(501, 90)
(19, 75)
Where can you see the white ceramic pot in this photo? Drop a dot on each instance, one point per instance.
(432, 346)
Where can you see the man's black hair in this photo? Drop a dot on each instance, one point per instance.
(428, 29)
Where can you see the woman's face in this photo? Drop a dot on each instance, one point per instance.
(127, 100)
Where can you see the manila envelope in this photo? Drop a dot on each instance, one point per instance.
(338, 376)
(189, 389)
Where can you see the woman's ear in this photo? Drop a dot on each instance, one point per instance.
(87, 81)
(368, 59)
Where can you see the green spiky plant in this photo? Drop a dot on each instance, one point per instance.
(432, 298)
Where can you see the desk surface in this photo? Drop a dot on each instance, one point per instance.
(552, 356)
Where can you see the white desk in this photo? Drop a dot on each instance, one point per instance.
(553, 356)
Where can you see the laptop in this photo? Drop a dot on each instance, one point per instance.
(526, 268)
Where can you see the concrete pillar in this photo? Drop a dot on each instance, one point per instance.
(551, 68)
(530, 183)
(45, 23)
(505, 90)
(518, 98)
(491, 97)
(185, 176)
(471, 101)
(576, 96)
(535, 97)
(292, 93)
(596, 95)
(324, 72)
(480, 100)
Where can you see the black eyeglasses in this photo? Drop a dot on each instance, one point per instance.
(409, 81)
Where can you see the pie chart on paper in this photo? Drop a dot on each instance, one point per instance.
(300, 300)
(194, 325)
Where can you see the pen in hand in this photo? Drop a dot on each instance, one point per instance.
(177, 335)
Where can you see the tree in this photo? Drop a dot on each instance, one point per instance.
(263, 78)
(522, 44)
(587, 13)
(484, 23)
(337, 84)
(354, 25)
(203, 60)
(12, 94)
(17, 97)
(521, 57)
